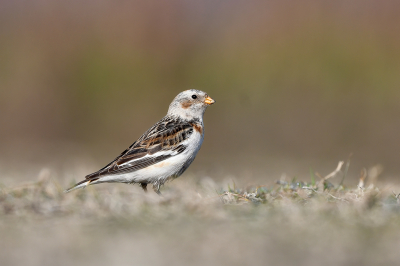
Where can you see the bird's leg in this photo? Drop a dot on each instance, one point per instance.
(156, 188)
(144, 186)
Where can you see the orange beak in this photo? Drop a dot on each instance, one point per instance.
(209, 101)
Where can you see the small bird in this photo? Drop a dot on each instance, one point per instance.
(164, 151)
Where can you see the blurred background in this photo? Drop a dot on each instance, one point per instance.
(297, 84)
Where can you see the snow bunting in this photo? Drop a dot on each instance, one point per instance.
(164, 151)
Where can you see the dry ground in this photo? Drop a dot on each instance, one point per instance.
(204, 223)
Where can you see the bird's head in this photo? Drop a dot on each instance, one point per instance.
(190, 104)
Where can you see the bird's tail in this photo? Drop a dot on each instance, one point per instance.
(81, 184)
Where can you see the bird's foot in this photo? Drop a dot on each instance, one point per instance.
(156, 188)
(144, 186)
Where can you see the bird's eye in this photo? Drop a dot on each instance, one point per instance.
(194, 96)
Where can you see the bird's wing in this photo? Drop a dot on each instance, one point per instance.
(160, 142)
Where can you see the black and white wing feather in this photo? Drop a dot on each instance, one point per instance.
(162, 141)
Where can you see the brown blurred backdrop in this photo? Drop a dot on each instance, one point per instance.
(298, 84)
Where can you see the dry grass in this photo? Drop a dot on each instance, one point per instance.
(290, 222)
